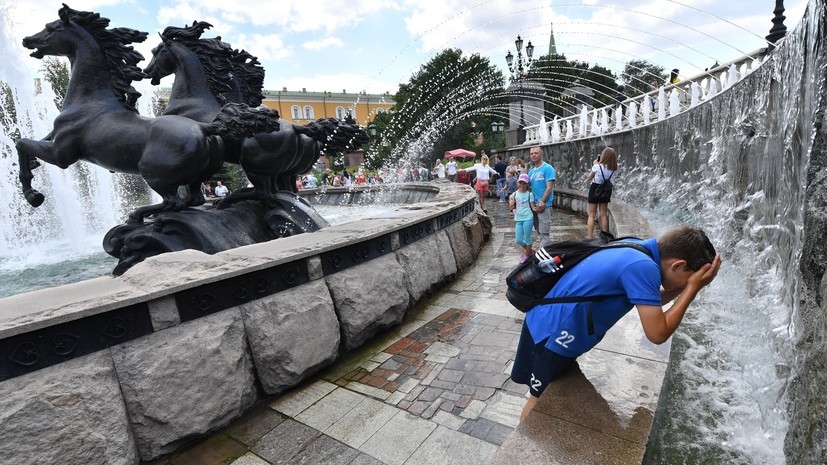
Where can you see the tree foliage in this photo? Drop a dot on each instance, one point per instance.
(56, 73)
(638, 76)
(556, 73)
(450, 100)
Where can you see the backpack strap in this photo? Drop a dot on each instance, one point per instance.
(595, 298)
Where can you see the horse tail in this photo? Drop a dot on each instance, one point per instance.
(336, 136)
(238, 121)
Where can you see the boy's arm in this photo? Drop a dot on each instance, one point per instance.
(659, 325)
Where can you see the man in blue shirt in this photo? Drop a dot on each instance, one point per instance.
(683, 262)
(542, 177)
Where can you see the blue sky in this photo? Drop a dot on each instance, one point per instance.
(373, 45)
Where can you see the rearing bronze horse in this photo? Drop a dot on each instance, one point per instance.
(208, 71)
(98, 122)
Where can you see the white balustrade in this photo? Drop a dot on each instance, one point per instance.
(681, 96)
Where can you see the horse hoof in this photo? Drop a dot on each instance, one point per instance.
(34, 198)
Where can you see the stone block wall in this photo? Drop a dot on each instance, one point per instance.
(118, 370)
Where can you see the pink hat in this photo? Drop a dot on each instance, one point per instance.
(524, 178)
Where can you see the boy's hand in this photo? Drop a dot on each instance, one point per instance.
(705, 275)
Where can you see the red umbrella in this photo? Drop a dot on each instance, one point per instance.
(460, 153)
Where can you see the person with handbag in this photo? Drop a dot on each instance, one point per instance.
(484, 173)
(600, 191)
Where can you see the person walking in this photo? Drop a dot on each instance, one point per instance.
(600, 190)
(439, 169)
(683, 261)
(542, 178)
(484, 173)
(452, 169)
(522, 204)
(500, 167)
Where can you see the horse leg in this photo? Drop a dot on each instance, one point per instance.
(27, 153)
(196, 197)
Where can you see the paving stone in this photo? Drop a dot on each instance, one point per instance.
(491, 380)
(250, 459)
(418, 407)
(484, 393)
(431, 410)
(325, 450)
(481, 428)
(453, 376)
(216, 450)
(330, 409)
(391, 365)
(400, 437)
(473, 410)
(505, 409)
(415, 392)
(252, 426)
(446, 446)
(365, 459)
(381, 357)
(359, 424)
(408, 385)
(448, 420)
(395, 398)
(284, 441)
(430, 394)
(462, 389)
(498, 434)
(294, 402)
(447, 405)
(443, 385)
(369, 390)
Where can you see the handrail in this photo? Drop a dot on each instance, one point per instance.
(666, 101)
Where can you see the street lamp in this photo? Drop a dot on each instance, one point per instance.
(372, 130)
(517, 76)
(497, 126)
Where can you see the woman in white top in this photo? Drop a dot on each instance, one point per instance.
(600, 191)
(484, 173)
(439, 169)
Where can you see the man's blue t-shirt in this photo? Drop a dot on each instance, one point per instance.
(538, 177)
(611, 271)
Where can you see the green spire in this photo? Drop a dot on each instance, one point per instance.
(552, 47)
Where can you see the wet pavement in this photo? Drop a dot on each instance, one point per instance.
(433, 390)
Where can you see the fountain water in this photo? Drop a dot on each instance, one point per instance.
(34, 239)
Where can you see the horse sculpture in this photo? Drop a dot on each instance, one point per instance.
(99, 123)
(203, 81)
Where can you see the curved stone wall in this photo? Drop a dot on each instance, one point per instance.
(117, 370)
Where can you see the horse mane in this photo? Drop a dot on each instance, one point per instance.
(221, 63)
(121, 58)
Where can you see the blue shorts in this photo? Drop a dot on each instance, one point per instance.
(535, 365)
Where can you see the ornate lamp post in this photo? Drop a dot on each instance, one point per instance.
(779, 30)
(517, 76)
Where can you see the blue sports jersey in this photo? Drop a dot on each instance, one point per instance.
(610, 271)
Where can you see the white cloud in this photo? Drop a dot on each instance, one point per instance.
(323, 43)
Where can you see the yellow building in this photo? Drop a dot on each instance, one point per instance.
(301, 107)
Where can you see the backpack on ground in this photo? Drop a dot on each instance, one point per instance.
(530, 282)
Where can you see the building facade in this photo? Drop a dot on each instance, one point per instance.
(301, 107)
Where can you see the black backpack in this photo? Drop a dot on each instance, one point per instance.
(528, 285)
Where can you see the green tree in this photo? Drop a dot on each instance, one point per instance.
(8, 112)
(556, 73)
(56, 73)
(435, 109)
(638, 76)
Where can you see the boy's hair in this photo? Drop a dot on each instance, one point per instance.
(686, 243)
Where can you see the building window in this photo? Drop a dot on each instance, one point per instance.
(296, 112)
(380, 110)
(308, 112)
(351, 112)
(340, 112)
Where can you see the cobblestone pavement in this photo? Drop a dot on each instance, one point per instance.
(434, 390)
